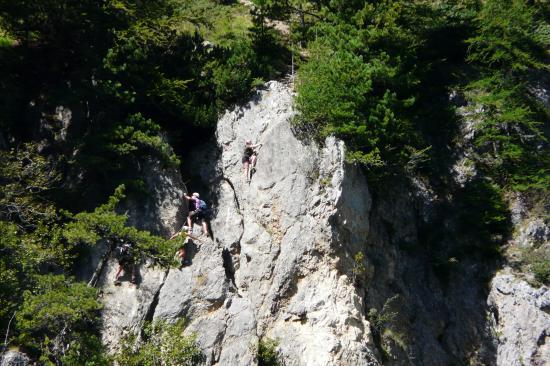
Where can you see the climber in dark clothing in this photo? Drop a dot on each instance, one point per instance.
(125, 262)
(180, 253)
(197, 211)
(249, 158)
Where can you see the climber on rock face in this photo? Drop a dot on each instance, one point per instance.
(183, 261)
(249, 159)
(125, 262)
(184, 229)
(180, 253)
(197, 211)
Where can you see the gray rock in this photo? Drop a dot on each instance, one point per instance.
(521, 321)
(14, 358)
(161, 211)
(281, 263)
(533, 232)
(127, 306)
(289, 236)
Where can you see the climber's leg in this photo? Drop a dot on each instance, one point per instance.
(181, 256)
(117, 275)
(205, 227)
(246, 171)
(190, 221)
(133, 279)
(253, 160)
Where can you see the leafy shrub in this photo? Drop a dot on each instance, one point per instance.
(104, 222)
(357, 85)
(233, 75)
(383, 318)
(58, 318)
(139, 133)
(537, 261)
(13, 265)
(162, 344)
(267, 352)
(26, 177)
(510, 137)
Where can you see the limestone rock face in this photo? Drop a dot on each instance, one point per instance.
(283, 240)
(282, 263)
(279, 264)
(127, 306)
(161, 211)
(522, 322)
(14, 358)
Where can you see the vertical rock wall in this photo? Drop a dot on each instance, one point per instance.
(281, 239)
(281, 263)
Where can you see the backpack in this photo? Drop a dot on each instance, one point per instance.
(124, 251)
(202, 205)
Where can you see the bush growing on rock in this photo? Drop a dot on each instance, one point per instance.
(267, 352)
(161, 344)
(57, 321)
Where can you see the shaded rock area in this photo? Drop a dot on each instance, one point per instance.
(440, 317)
(127, 306)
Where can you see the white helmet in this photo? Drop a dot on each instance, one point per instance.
(195, 194)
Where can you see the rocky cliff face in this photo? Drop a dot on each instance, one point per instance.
(287, 237)
(282, 263)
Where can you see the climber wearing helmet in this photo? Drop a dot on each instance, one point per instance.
(197, 210)
(249, 158)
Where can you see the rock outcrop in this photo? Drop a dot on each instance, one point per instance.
(280, 265)
(126, 307)
(14, 358)
(521, 321)
(283, 263)
(286, 241)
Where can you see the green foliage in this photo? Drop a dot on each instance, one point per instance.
(57, 303)
(140, 134)
(233, 75)
(162, 343)
(537, 261)
(358, 269)
(506, 36)
(57, 317)
(510, 135)
(221, 23)
(357, 83)
(483, 217)
(105, 223)
(267, 352)
(379, 320)
(13, 268)
(25, 177)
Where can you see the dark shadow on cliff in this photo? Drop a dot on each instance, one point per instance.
(440, 268)
(191, 250)
(434, 243)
